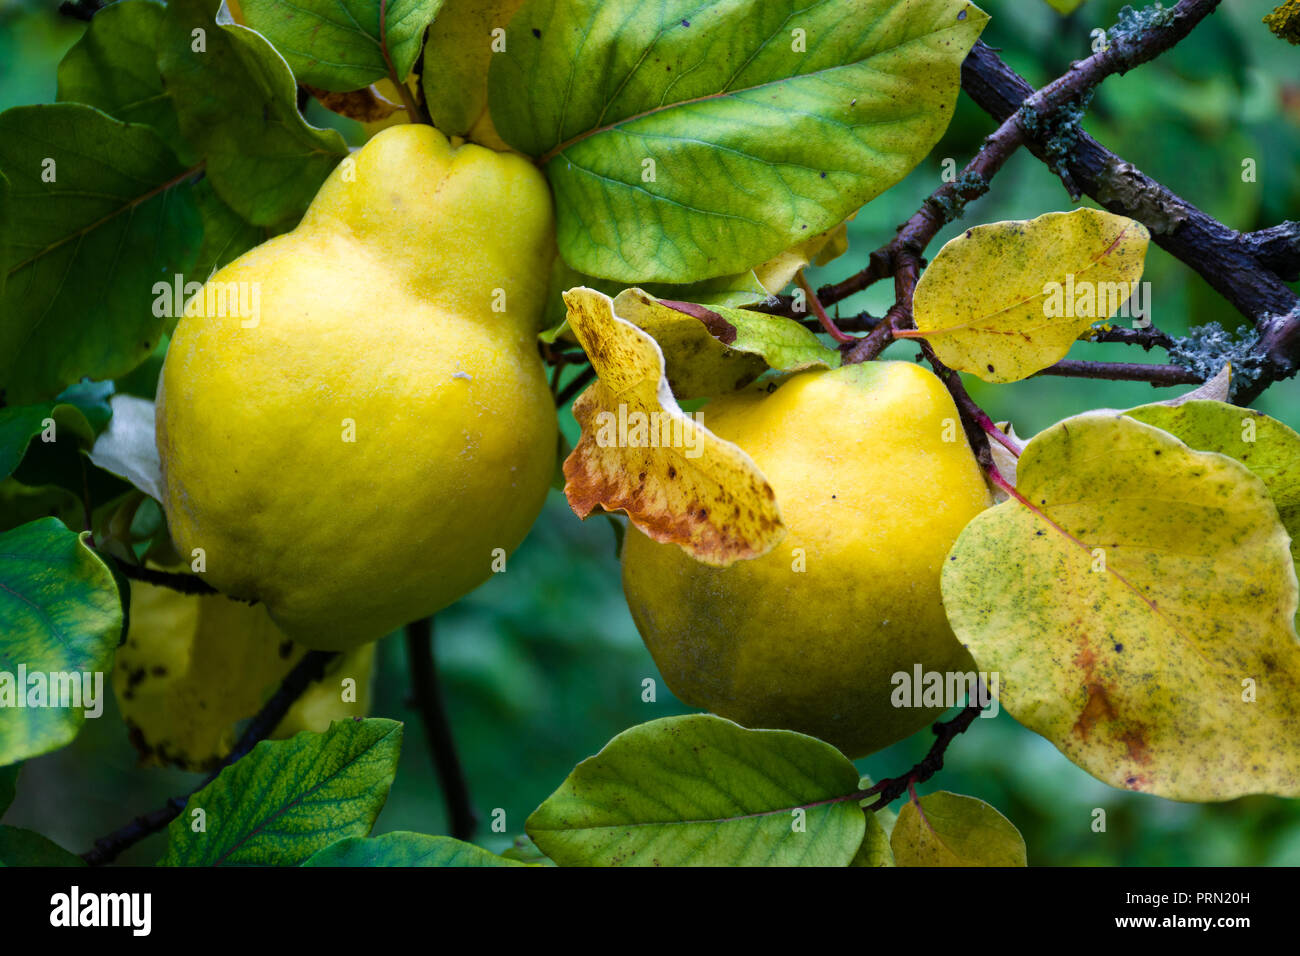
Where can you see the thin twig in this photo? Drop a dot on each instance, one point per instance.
(305, 673)
(437, 726)
(573, 388)
(184, 583)
(1158, 376)
(827, 323)
(891, 788)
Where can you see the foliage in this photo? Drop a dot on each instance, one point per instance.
(701, 160)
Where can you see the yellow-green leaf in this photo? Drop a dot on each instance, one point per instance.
(1005, 300)
(457, 54)
(1138, 601)
(875, 850)
(642, 454)
(952, 830)
(711, 350)
(1264, 445)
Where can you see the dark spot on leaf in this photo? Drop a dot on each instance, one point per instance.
(718, 327)
(672, 472)
(537, 33)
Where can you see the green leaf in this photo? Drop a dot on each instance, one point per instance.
(20, 424)
(524, 850)
(62, 615)
(1139, 611)
(6, 231)
(128, 447)
(687, 140)
(77, 414)
(341, 45)
(875, 849)
(114, 67)
(226, 234)
(402, 848)
(8, 785)
(711, 350)
(237, 105)
(1065, 7)
(1268, 448)
(702, 791)
(953, 830)
(289, 799)
(27, 848)
(94, 220)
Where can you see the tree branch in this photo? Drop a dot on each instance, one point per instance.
(437, 726)
(891, 788)
(1239, 267)
(1156, 375)
(305, 673)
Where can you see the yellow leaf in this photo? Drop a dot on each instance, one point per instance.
(1267, 447)
(192, 667)
(1137, 602)
(1005, 300)
(642, 454)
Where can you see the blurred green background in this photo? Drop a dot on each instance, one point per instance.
(542, 665)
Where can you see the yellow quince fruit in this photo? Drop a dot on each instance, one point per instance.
(353, 419)
(874, 479)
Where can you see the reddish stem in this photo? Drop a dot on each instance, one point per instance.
(827, 322)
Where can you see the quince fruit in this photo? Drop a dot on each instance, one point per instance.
(874, 479)
(353, 419)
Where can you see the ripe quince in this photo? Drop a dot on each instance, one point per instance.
(353, 419)
(874, 480)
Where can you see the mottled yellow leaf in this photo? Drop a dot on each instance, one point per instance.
(193, 666)
(1267, 447)
(1138, 603)
(640, 453)
(953, 830)
(1005, 300)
